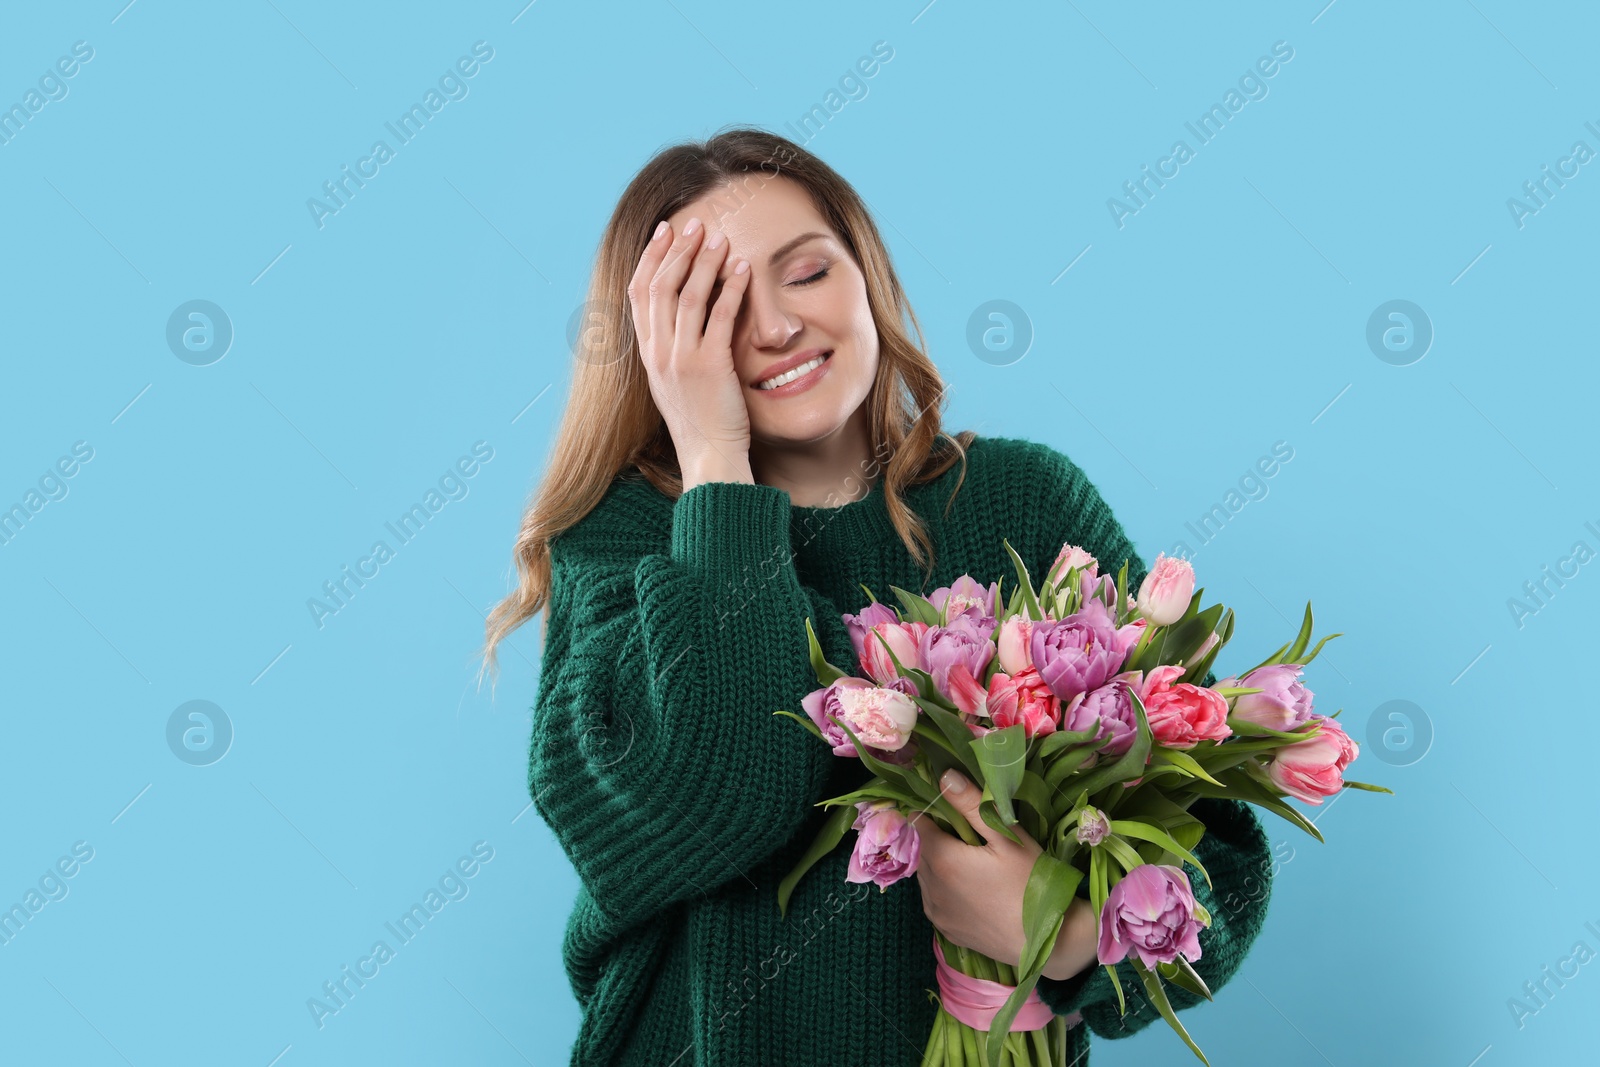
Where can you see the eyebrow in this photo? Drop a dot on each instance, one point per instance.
(781, 251)
(792, 244)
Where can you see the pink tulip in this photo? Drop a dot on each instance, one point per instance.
(887, 846)
(1182, 714)
(820, 703)
(1313, 769)
(1071, 556)
(1025, 699)
(881, 718)
(1165, 593)
(903, 638)
(1152, 913)
(1016, 634)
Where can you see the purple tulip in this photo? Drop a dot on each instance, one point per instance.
(1078, 653)
(965, 640)
(1113, 706)
(1151, 912)
(859, 625)
(887, 846)
(965, 596)
(1283, 703)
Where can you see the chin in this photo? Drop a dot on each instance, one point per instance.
(802, 428)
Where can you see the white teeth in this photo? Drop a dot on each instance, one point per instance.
(791, 375)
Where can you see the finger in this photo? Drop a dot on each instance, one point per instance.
(965, 797)
(668, 279)
(639, 285)
(691, 320)
(719, 331)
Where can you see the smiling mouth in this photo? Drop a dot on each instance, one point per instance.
(798, 372)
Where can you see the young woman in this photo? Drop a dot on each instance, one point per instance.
(752, 436)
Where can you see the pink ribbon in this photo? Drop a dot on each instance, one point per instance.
(976, 1001)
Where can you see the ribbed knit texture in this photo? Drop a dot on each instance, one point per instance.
(676, 628)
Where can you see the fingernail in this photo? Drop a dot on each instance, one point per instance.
(691, 227)
(661, 228)
(953, 782)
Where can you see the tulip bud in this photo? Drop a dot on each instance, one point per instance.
(1165, 592)
(1093, 826)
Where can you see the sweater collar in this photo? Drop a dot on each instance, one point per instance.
(846, 528)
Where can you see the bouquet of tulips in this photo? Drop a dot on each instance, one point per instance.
(1077, 709)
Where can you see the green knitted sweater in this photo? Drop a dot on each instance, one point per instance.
(676, 628)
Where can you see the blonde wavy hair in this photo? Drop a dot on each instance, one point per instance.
(611, 422)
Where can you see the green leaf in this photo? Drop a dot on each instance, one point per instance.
(1146, 832)
(1116, 983)
(1187, 977)
(831, 834)
(1033, 792)
(1314, 651)
(1276, 657)
(1183, 638)
(867, 591)
(931, 733)
(825, 671)
(1122, 852)
(1158, 997)
(1183, 761)
(1369, 788)
(803, 721)
(1240, 786)
(1064, 766)
(1051, 887)
(1303, 638)
(1024, 585)
(1065, 738)
(918, 609)
(1003, 755)
(891, 772)
(991, 818)
(1244, 728)
(955, 732)
(876, 789)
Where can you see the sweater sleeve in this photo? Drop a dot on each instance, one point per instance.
(655, 756)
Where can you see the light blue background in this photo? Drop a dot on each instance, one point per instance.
(429, 314)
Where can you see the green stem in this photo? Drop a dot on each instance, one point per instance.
(1041, 1047)
(933, 1055)
(973, 1047)
(954, 1057)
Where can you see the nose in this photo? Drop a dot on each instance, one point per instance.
(771, 326)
